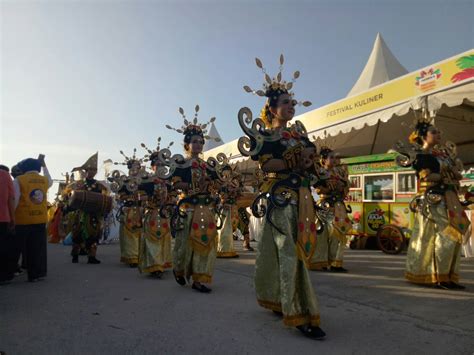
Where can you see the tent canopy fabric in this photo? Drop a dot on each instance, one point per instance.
(372, 121)
(230, 149)
(377, 132)
(382, 66)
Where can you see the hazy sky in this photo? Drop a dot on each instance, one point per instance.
(84, 76)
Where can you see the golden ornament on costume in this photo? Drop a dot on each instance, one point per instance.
(285, 204)
(440, 221)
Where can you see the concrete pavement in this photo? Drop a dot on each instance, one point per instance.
(112, 309)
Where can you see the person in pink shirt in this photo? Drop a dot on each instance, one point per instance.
(7, 226)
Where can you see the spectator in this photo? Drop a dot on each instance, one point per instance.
(16, 171)
(7, 224)
(19, 242)
(31, 214)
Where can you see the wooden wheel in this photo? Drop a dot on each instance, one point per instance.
(390, 239)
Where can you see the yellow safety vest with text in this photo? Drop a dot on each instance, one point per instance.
(32, 207)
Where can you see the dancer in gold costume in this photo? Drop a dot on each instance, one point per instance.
(194, 221)
(332, 188)
(229, 194)
(288, 238)
(155, 243)
(131, 212)
(435, 246)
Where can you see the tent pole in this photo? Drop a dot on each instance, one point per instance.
(375, 138)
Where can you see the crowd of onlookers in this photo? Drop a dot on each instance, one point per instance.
(23, 218)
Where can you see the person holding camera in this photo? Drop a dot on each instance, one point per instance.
(31, 214)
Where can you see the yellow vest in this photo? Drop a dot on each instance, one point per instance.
(32, 207)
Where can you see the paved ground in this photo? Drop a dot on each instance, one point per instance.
(111, 309)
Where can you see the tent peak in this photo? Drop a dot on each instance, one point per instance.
(382, 66)
(210, 143)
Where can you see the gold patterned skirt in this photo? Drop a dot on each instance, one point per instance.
(195, 251)
(129, 234)
(282, 281)
(433, 255)
(155, 243)
(225, 238)
(330, 246)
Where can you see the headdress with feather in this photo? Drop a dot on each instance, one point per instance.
(152, 155)
(274, 87)
(193, 128)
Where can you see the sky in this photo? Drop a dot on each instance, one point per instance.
(102, 75)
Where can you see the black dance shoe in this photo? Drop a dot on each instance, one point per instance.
(248, 248)
(201, 288)
(456, 286)
(338, 269)
(157, 274)
(93, 260)
(309, 331)
(444, 285)
(75, 259)
(133, 265)
(179, 279)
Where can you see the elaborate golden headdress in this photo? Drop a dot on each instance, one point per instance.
(130, 160)
(152, 155)
(326, 145)
(421, 124)
(193, 128)
(273, 87)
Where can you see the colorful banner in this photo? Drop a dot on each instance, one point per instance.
(375, 216)
(421, 82)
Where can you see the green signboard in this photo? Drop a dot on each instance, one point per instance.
(378, 167)
(377, 163)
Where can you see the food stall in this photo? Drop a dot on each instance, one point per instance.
(380, 194)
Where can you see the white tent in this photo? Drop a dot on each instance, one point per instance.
(382, 66)
(210, 143)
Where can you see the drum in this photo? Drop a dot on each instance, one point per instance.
(92, 202)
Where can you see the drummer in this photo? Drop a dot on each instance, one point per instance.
(86, 227)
